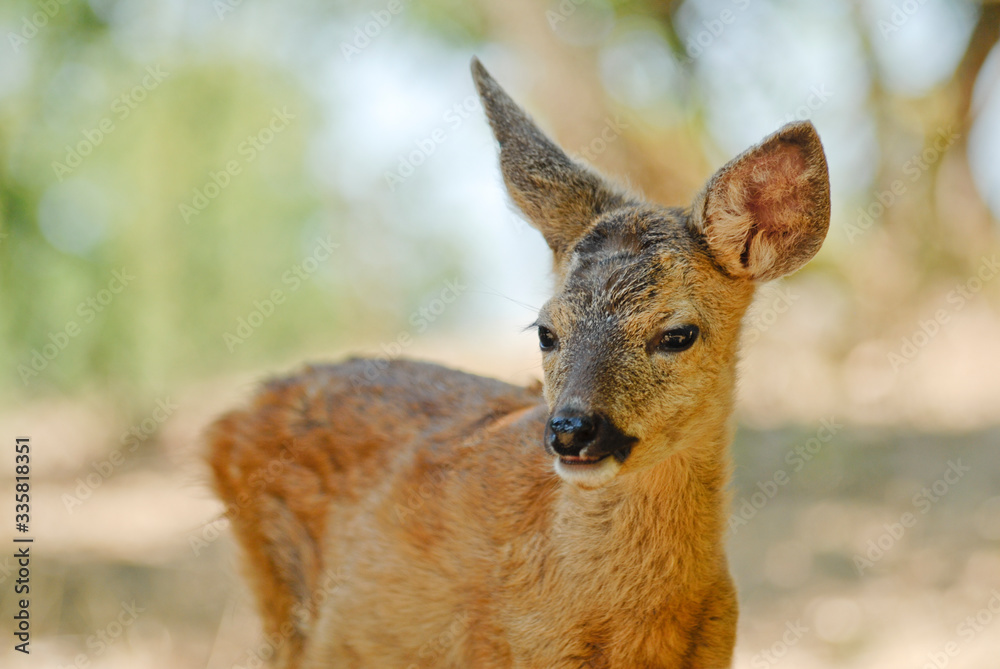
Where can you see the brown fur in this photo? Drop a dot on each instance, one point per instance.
(416, 520)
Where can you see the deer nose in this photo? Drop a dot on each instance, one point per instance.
(570, 432)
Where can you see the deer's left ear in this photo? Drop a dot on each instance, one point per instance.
(765, 214)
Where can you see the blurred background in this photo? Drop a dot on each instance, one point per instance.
(197, 195)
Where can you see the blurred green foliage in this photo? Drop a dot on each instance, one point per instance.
(113, 165)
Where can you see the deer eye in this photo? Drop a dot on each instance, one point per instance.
(678, 339)
(546, 338)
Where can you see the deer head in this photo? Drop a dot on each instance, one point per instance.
(639, 341)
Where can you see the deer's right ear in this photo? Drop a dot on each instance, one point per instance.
(766, 212)
(560, 197)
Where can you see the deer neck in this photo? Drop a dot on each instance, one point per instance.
(665, 522)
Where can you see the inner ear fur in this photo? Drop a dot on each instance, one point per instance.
(766, 212)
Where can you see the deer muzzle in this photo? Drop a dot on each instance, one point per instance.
(581, 438)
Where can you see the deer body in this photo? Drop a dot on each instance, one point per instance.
(415, 520)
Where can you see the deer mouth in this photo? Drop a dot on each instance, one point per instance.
(588, 473)
(597, 463)
(586, 459)
(581, 460)
(587, 446)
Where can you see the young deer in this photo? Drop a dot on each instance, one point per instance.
(435, 518)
